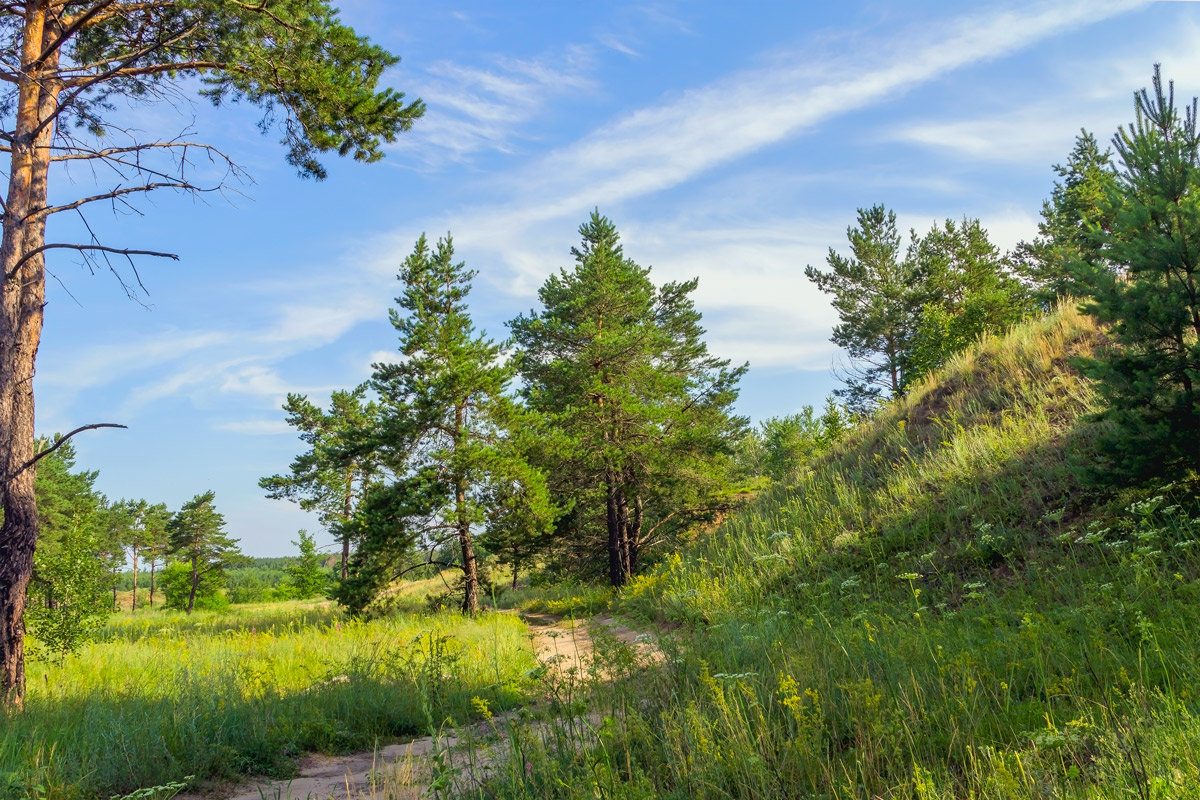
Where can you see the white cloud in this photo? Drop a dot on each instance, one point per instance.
(660, 147)
(471, 110)
(1008, 226)
(324, 321)
(1098, 96)
(254, 379)
(613, 43)
(758, 306)
(94, 366)
(1036, 132)
(256, 427)
(663, 146)
(383, 357)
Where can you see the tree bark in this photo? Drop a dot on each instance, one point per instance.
(623, 524)
(133, 605)
(635, 536)
(470, 571)
(463, 524)
(22, 298)
(195, 585)
(616, 560)
(346, 509)
(153, 562)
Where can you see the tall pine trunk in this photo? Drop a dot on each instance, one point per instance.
(633, 539)
(153, 562)
(616, 541)
(195, 585)
(463, 524)
(470, 570)
(21, 300)
(623, 524)
(133, 605)
(346, 521)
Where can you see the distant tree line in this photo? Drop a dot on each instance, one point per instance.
(91, 547)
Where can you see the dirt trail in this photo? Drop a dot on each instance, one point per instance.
(564, 646)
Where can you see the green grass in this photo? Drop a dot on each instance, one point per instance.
(566, 598)
(939, 608)
(163, 696)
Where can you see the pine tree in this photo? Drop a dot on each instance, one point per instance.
(638, 410)
(442, 437)
(70, 69)
(199, 540)
(1151, 293)
(966, 290)
(1073, 219)
(156, 540)
(307, 576)
(878, 296)
(332, 476)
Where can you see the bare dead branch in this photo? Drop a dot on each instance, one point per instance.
(129, 292)
(429, 563)
(116, 193)
(81, 247)
(77, 153)
(61, 441)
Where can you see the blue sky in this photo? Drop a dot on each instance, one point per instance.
(729, 141)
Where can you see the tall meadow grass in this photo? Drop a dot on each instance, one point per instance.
(163, 696)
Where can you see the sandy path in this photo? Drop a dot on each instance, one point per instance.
(402, 771)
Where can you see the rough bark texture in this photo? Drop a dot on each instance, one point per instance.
(470, 571)
(21, 302)
(347, 513)
(463, 524)
(617, 572)
(133, 604)
(195, 585)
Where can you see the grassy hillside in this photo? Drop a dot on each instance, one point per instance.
(967, 477)
(938, 608)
